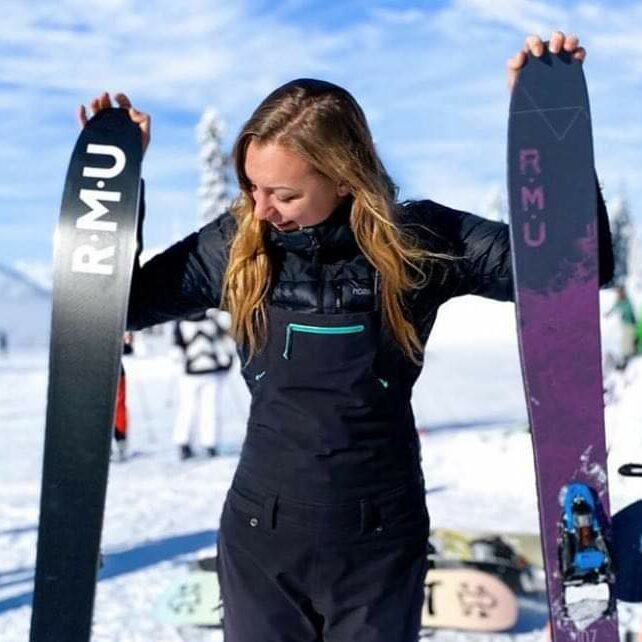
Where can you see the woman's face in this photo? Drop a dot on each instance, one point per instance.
(288, 192)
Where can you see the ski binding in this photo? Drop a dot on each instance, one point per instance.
(585, 562)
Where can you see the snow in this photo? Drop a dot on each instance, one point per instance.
(586, 603)
(161, 513)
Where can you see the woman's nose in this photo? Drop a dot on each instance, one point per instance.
(262, 207)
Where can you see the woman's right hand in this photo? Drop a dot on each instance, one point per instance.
(103, 101)
(535, 45)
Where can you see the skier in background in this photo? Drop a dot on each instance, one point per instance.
(333, 288)
(4, 342)
(121, 416)
(624, 310)
(208, 353)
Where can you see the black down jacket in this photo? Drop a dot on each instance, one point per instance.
(321, 268)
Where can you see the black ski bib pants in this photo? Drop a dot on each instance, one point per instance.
(324, 531)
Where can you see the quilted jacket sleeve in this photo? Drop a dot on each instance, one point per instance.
(184, 279)
(480, 250)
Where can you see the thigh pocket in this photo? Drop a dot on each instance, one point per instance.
(406, 516)
(247, 511)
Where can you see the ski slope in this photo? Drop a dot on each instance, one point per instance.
(161, 513)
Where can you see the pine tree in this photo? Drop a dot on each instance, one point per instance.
(623, 233)
(213, 191)
(494, 207)
(635, 268)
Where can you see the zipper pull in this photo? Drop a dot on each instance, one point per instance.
(316, 247)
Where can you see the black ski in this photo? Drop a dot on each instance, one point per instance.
(630, 470)
(93, 259)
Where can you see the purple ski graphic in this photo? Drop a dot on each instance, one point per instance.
(555, 258)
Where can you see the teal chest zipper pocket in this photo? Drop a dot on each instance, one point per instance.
(292, 328)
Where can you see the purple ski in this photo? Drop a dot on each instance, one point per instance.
(553, 208)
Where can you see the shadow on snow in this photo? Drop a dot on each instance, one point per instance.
(121, 563)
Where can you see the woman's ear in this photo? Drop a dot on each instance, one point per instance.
(343, 189)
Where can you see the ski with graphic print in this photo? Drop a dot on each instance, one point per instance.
(554, 241)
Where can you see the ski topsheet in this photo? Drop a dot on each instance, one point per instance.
(455, 598)
(94, 250)
(554, 240)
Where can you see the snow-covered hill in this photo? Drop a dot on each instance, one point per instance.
(25, 309)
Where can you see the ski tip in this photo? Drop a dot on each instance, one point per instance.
(630, 470)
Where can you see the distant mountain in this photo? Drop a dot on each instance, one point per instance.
(38, 272)
(17, 285)
(25, 309)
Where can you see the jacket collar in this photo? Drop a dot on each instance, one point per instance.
(334, 235)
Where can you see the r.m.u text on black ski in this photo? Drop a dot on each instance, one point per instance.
(98, 254)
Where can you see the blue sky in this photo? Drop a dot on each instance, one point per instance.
(430, 76)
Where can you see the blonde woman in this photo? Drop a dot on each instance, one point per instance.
(333, 288)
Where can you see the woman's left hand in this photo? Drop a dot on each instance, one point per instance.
(536, 46)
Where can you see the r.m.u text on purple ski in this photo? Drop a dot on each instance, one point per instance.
(533, 197)
(97, 255)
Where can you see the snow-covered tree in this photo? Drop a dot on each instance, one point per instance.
(494, 207)
(213, 192)
(635, 269)
(623, 233)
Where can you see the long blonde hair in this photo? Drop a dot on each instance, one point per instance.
(322, 124)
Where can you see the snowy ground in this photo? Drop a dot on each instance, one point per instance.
(162, 513)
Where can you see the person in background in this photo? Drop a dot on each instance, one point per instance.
(121, 416)
(208, 353)
(624, 310)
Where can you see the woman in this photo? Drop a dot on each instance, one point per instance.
(333, 289)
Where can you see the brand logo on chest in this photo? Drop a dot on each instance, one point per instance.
(361, 291)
